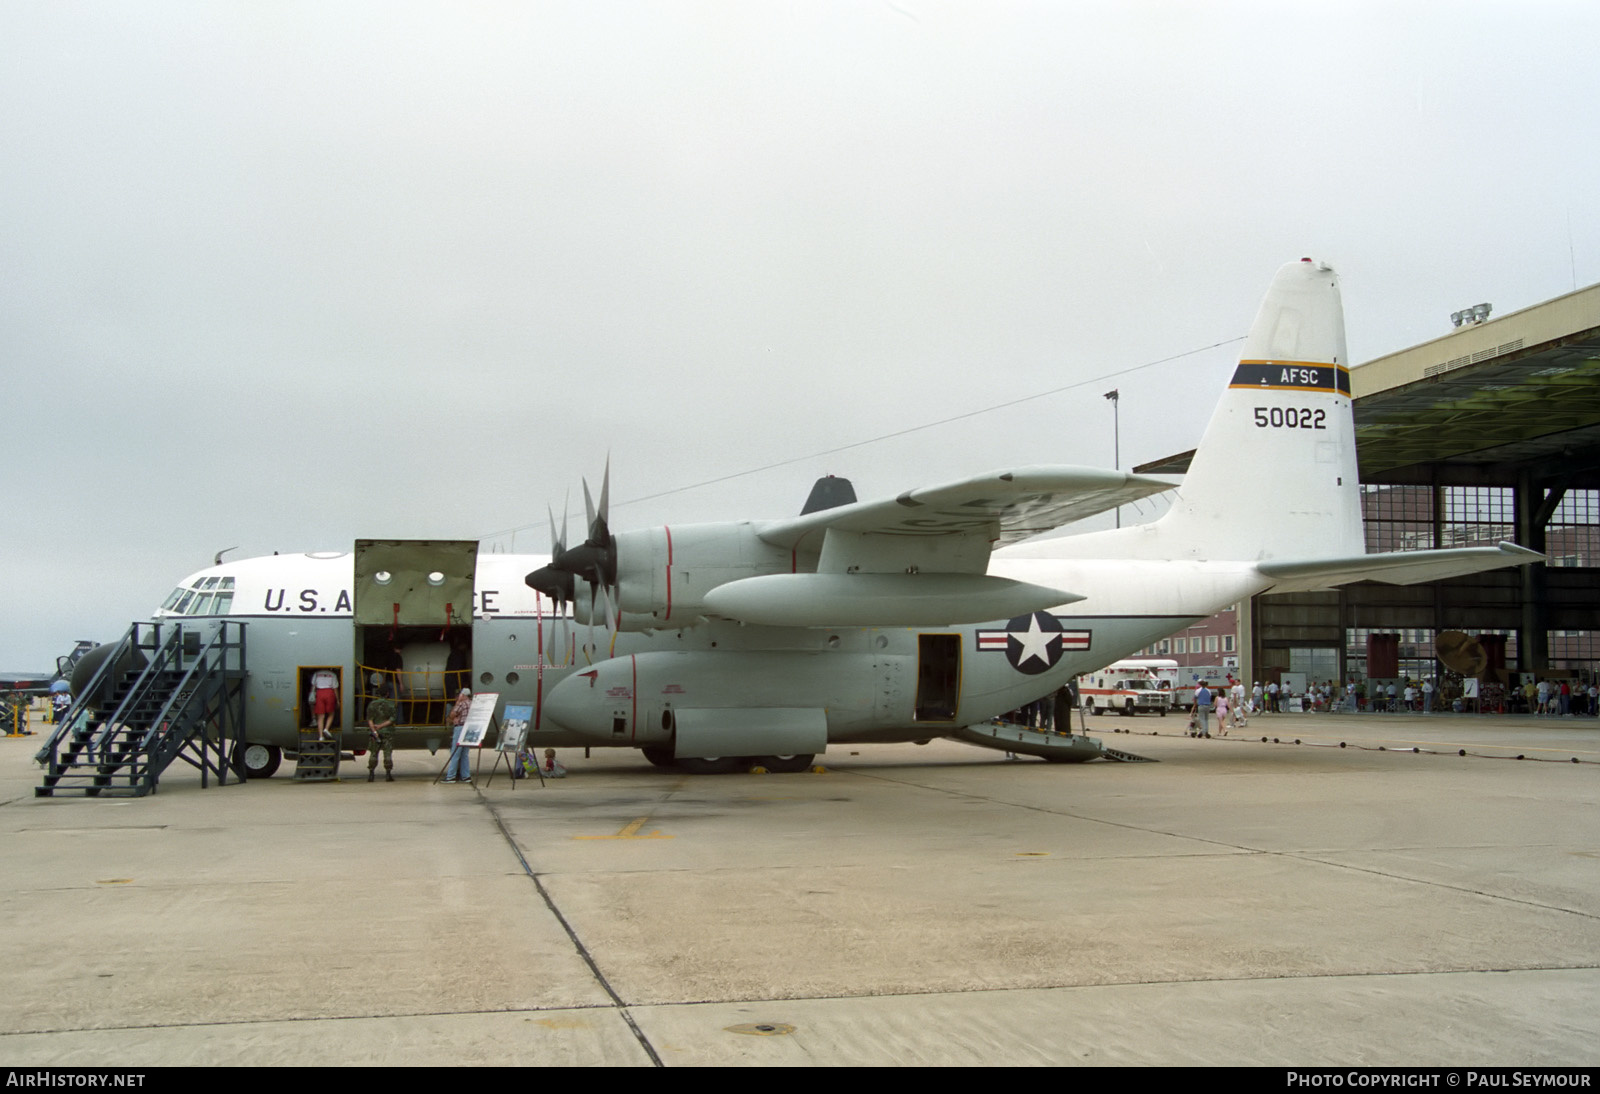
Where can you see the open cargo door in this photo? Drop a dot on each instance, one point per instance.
(413, 614)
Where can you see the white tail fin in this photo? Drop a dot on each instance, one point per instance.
(1273, 482)
(1275, 473)
(1274, 476)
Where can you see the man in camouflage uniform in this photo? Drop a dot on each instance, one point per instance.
(380, 730)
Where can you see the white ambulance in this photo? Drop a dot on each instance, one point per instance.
(1129, 687)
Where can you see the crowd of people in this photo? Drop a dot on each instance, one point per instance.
(1557, 698)
(1545, 697)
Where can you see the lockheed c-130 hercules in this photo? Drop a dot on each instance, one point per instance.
(715, 645)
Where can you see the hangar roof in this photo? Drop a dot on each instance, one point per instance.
(1483, 402)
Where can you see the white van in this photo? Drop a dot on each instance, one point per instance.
(1129, 687)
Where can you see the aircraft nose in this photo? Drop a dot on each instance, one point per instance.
(83, 672)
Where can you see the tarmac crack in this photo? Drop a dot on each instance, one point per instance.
(583, 951)
(778, 1000)
(1438, 884)
(1239, 848)
(263, 1021)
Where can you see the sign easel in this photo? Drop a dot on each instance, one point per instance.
(475, 730)
(513, 734)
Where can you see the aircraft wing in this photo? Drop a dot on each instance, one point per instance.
(1394, 568)
(1001, 507)
(922, 559)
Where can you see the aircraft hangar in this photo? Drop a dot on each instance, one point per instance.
(1489, 433)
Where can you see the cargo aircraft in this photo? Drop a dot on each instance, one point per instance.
(713, 646)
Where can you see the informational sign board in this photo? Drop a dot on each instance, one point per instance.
(1469, 688)
(476, 729)
(514, 729)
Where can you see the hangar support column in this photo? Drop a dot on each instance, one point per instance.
(1535, 504)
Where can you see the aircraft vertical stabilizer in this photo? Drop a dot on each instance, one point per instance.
(1273, 483)
(1274, 476)
(1275, 473)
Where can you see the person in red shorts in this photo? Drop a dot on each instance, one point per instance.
(325, 700)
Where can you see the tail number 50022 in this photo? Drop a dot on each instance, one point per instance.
(1288, 417)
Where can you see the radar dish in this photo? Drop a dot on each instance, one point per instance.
(1461, 653)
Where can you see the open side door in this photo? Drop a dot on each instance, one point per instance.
(938, 677)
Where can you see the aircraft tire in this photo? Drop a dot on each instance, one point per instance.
(661, 757)
(787, 765)
(712, 765)
(258, 761)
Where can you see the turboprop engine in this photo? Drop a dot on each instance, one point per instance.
(663, 574)
(658, 577)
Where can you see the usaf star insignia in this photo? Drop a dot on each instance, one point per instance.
(1033, 643)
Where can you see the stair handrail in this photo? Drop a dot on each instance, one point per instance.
(80, 704)
(189, 687)
(166, 648)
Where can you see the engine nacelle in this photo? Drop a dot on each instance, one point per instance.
(663, 574)
(585, 595)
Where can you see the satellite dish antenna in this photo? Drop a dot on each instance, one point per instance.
(1461, 653)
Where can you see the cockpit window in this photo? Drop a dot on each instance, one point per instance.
(209, 596)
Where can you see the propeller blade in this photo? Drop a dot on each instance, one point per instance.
(595, 559)
(611, 616)
(593, 649)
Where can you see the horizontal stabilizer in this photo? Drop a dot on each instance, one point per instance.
(879, 600)
(1393, 568)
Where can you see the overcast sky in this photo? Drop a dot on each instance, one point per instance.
(281, 275)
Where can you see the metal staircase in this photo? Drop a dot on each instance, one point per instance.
(166, 692)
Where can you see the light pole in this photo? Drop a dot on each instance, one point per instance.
(1116, 442)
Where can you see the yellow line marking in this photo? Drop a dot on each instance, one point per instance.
(631, 831)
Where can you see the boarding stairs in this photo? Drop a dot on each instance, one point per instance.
(318, 758)
(168, 691)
